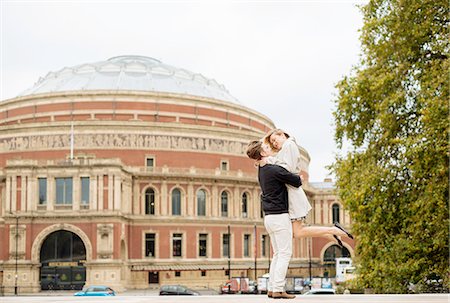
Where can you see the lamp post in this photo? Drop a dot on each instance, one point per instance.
(17, 255)
(229, 259)
(310, 266)
(256, 251)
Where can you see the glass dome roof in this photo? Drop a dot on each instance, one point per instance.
(137, 73)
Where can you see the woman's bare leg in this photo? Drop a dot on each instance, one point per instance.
(296, 229)
(299, 230)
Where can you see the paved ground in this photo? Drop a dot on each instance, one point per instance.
(434, 298)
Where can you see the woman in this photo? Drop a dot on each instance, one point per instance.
(288, 156)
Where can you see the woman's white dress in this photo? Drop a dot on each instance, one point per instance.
(289, 158)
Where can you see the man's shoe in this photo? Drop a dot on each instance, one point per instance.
(269, 294)
(282, 295)
(343, 229)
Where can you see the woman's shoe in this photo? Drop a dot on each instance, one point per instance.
(338, 241)
(337, 225)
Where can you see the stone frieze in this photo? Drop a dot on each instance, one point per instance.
(120, 141)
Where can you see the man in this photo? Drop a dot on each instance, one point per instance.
(272, 180)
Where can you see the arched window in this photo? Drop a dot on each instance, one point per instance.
(176, 202)
(335, 209)
(149, 201)
(333, 252)
(244, 205)
(224, 204)
(261, 211)
(201, 203)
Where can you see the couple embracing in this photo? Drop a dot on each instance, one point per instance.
(284, 203)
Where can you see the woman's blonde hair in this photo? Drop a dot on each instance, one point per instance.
(275, 131)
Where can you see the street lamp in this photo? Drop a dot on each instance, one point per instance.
(17, 255)
(229, 258)
(310, 265)
(256, 252)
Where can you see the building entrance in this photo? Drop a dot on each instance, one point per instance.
(62, 258)
(153, 277)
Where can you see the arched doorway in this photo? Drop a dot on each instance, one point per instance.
(329, 258)
(62, 258)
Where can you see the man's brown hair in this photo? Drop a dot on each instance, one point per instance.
(254, 150)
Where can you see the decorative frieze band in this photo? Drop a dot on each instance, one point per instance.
(112, 141)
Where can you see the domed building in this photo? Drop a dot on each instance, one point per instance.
(132, 173)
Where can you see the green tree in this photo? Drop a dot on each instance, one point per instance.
(393, 113)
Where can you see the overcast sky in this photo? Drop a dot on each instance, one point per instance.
(280, 58)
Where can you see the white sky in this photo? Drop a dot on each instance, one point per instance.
(280, 58)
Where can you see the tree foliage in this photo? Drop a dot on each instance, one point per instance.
(393, 110)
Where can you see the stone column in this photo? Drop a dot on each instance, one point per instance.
(51, 193)
(111, 191)
(76, 193)
(14, 193)
(100, 192)
(23, 193)
(8, 195)
(33, 193)
(318, 211)
(136, 198)
(93, 190)
(127, 196)
(190, 201)
(214, 201)
(256, 203)
(164, 203)
(117, 193)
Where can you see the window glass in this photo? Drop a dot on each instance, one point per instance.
(224, 165)
(336, 213)
(225, 245)
(201, 203)
(176, 202)
(85, 190)
(224, 204)
(63, 190)
(246, 245)
(244, 205)
(264, 245)
(333, 252)
(202, 245)
(42, 190)
(149, 201)
(62, 246)
(150, 245)
(176, 244)
(150, 162)
(261, 211)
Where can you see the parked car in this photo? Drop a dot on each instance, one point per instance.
(252, 288)
(232, 286)
(96, 291)
(321, 291)
(241, 285)
(177, 290)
